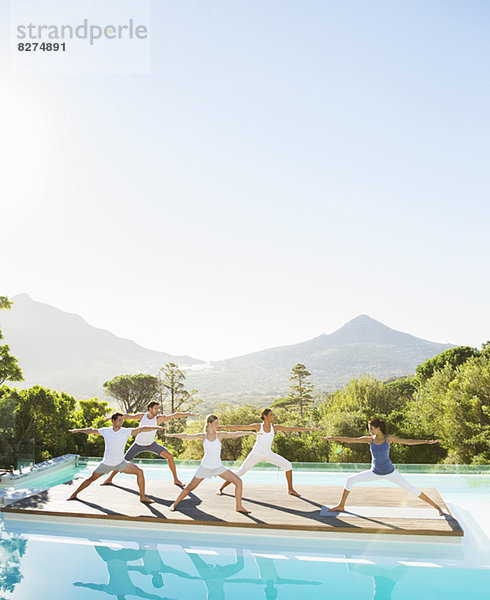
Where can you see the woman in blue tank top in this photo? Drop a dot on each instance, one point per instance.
(381, 466)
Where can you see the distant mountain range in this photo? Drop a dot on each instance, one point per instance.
(362, 345)
(62, 351)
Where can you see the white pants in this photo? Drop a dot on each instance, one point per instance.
(394, 477)
(271, 457)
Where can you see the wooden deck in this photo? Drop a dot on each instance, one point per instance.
(271, 506)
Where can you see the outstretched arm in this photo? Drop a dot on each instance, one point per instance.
(87, 430)
(253, 427)
(177, 415)
(143, 429)
(142, 594)
(393, 439)
(186, 436)
(284, 428)
(225, 435)
(91, 586)
(130, 417)
(365, 439)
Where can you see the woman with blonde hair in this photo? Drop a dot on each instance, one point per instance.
(211, 465)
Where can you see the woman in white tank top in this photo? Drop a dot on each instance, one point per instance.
(261, 452)
(211, 465)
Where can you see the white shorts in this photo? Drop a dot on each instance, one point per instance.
(206, 473)
(102, 468)
(271, 457)
(394, 477)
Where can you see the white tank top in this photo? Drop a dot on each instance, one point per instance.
(264, 441)
(147, 437)
(212, 454)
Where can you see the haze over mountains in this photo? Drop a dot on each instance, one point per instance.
(62, 351)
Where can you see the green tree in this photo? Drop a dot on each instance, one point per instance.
(9, 368)
(7, 428)
(133, 392)
(403, 386)
(300, 388)
(90, 413)
(44, 416)
(454, 405)
(348, 411)
(174, 397)
(453, 356)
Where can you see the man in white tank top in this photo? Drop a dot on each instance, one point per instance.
(145, 442)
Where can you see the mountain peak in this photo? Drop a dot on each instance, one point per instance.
(22, 297)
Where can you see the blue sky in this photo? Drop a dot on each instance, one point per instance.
(285, 167)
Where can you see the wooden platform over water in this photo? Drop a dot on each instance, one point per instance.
(374, 510)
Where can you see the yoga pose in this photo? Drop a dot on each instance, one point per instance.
(211, 465)
(120, 584)
(153, 565)
(215, 576)
(261, 452)
(382, 467)
(145, 441)
(115, 439)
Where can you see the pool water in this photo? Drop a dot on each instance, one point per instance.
(40, 560)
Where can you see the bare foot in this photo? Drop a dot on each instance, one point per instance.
(173, 508)
(107, 482)
(294, 493)
(179, 483)
(73, 497)
(146, 500)
(219, 492)
(337, 508)
(243, 510)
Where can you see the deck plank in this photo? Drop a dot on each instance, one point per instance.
(271, 506)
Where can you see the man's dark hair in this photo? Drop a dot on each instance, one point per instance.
(152, 404)
(115, 415)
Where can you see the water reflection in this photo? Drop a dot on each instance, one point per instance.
(153, 565)
(120, 584)
(384, 578)
(12, 549)
(269, 578)
(215, 576)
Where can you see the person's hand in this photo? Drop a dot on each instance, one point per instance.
(434, 441)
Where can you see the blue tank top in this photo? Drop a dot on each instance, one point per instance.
(381, 464)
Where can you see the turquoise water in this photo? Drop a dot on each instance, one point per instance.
(42, 560)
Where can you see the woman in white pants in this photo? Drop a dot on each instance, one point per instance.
(211, 465)
(381, 468)
(261, 452)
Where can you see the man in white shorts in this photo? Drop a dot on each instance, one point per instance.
(145, 442)
(115, 438)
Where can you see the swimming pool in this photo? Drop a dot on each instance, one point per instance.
(40, 560)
